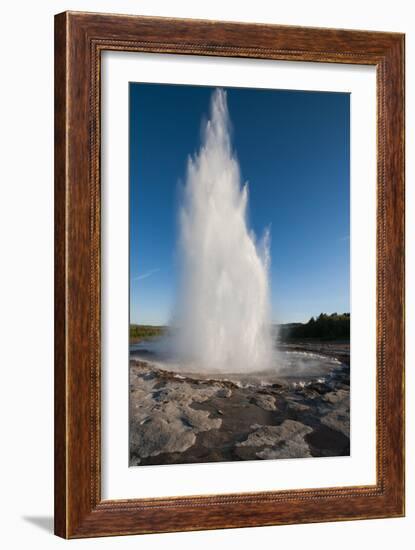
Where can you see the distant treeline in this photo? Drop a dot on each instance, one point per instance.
(145, 332)
(327, 327)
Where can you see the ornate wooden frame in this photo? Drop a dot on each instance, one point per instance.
(79, 40)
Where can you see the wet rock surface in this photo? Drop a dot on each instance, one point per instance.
(178, 419)
(283, 441)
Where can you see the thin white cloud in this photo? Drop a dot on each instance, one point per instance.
(146, 274)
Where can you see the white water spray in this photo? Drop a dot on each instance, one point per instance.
(223, 313)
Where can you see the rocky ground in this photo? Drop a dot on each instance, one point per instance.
(179, 419)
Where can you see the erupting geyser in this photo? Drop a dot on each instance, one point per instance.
(223, 313)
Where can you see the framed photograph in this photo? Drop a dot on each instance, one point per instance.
(229, 275)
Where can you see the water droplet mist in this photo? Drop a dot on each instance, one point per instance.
(222, 317)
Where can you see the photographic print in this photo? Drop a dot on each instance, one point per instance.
(239, 329)
(218, 239)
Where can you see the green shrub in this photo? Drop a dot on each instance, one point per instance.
(145, 332)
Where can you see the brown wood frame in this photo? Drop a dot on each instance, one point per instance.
(79, 40)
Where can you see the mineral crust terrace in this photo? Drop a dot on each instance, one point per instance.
(182, 419)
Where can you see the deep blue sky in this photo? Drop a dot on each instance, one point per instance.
(293, 149)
